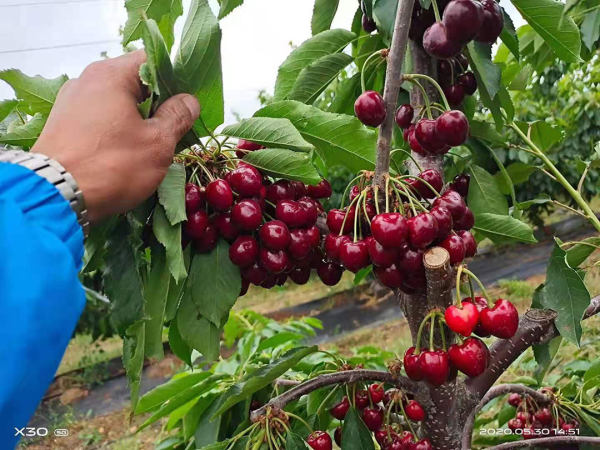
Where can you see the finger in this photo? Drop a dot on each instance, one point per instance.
(174, 118)
(130, 64)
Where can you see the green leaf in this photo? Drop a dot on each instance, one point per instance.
(566, 294)
(138, 10)
(159, 395)
(500, 228)
(281, 163)
(177, 344)
(577, 254)
(481, 61)
(196, 331)
(384, 14)
(209, 426)
(325, 43)
(323, 14)
(590, 421)
(315, 78)
(170, 237)
(7, 107)
(590, 28)
(133, 359)
(214, 284)
(171, 194)
(509, 35)
(355, 434)
(294, 442)
(561, 33)
(544, 355)
(542, 133)
(37, 94)
(339, 139)
(345, 95)
(227, 6)
(197, 64)
(262, 377)
(25, 135)
(270, 132)
(518, 172)
(485, 195)
(156, 288)
(166, 24)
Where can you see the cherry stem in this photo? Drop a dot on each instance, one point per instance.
(436, 11)
(411, 197)
(364, 205)
(399, 199)
(364, 69)
(412, 430)
(478, 281)
(308, 427)
(376, 195)
(346, 215)
(411, 76)
(471, 290)
(506, 176)
(432, 332)
(420, 332)
(427, 108)
(348, 187)
(407, 153)
(415, 177)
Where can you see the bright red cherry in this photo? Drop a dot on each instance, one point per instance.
(422, 230)
(454, 202)
(336, 218)
(225, 226)
(431, 176)
(414, 411)
(391, 276)
(466, 222)
(514, 399)
(311, 212)
(452, 127)
(385, 436)
(444, 220)
(423, 444)
(437, 43)
(361, 399)
(502, 320)
(469, 243)
(300, 244)
(381, 256)
(412, 365)
(426, 134)
(404, 116)
(463, 19)
(544, 416)
(243, 251)
(196, 224)
(194, 197)
(493, 22)
(368, 24)
(462, 320)
(274, 235)
(407, 440)
(246, 181)
(480, 303)
(455, 248)
(332, 245)
(340, 410)
(243, 144)
(330, 273)
(219, 195)
(274, 261)
(373, 418)
(435, 366)
(461, 183)
(208, 240)
(247, 214)
(292, 213)
(376, 392)
(455, 94)
(471, 357)
(468, 81)
(370, 108)
(354, 255)
(319, 440)
(321, 190)
(389, 229)
(280, 190)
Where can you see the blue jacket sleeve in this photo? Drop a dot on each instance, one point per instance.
(41, 297)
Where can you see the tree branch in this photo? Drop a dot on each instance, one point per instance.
(346, 377)
(496, 391)
(554, 441)
(393, 80)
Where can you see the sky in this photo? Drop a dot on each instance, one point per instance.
(51, 37)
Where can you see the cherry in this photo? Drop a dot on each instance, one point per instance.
(466, 222)
(422, 230)
(319, 440)
(435, 366)
(300, 244)
(455, 248)
(462, 320)
(412, 365)
(414, 411)
(243, 144)
(194, 197)
(314, 236)
(411, 261)
(463, 19)
(426, 134)
(244, 289)
(243, 251)
(354, 255)
(437, 43)
(502, 320)
(247, 214)
(300, 189)
(414, 143)
(196, 224)
(521, 415)
(514, 399)
(461, 184)
(462, 61)
(389, 229)
(274, 261)
(406, 441)
(376, 392)
(368, 24)
(404, 115)
(455, 94)
(385, 436)
(335, 220)
(544, 416)
(311, 212)
(225, 226)
(219, 195)
(280, 190)
(468, 242)
(321, 190)
(444, 220)
(471, 357)
(468, 81)
(391, 276)
(515, 424)
(423, 444)
(208, 240)
(454, 202)
(254, 273)
(354, 191)
(292, 213)
(431, 176)
(381, 256)
(373, 418)
(332, 245)
(452, 127)
(330, 273)
(361, 399)
(493, 22)
(340, 410)
(370, 108)
(246, 181)
(274, 235)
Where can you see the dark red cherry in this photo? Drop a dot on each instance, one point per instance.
(340, 409)
(386, 436)
(332, 245)
(411, 261)
(314, 236)
(454, 202)
(373, 418)
(452, 127)
(319, 440)
(311, 211)
(404, 115)
(389, 229)
(471, 357)
(468, 81)
(219, 195)
(469, 243)
(381, 256)
(196, 224)
(270, 281)
(423, 444)
(300, 274)
(370, 108)
(463, 19)
(455, 248)
(274, 261)
(274, 235)
(414, 143)
(243, 144)
(255, 274)
(300, 189)
(336, 218)
(292, 213)
(422, 230)
(461, 184)
(225, 226)
(412, 365)
(354, 255)
(431, 176)
(455, 94)
(515, 424)
(300, 244)
(244, 288)
(391, 276)
(368, 24)
(493, 22)
(544, 416)
(208, 240)
(246, 181)
(444, 220)
(426, 134)
(321, 190)
(280, 190)
(247, 214)
(502, 320)
(414, 411)
(194, 197)
(330, 273)
(435, 366)
(437, 43)
(466, 222)
(361, 399)
(337, 436)
(243, 251)
(462, 61)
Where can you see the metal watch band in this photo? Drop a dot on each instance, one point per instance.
(55, 174)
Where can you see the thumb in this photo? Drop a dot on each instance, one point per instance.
(176, 116)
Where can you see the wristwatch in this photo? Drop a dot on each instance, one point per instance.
(55, 174)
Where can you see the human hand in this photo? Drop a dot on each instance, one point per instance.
(97, 133)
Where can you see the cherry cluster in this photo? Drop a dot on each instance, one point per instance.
(463, 21)
(457, 82)
(378, 407)
(533, 421)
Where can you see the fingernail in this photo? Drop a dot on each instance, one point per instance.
(192, 104)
